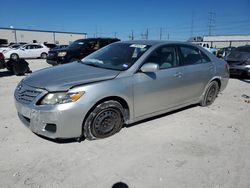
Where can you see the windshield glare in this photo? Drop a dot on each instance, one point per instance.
(119, 56)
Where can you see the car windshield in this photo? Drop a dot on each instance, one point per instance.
(76, 44)
(118, 56)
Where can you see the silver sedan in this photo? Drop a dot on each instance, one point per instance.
(119, 84)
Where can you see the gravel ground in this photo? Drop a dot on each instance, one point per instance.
(194, 147)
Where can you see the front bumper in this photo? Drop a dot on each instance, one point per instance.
(51, 121)
(240, 70)
(57, 60)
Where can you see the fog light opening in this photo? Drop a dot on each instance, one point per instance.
(50, 127)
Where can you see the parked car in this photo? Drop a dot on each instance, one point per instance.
(223, 52)
(62, 46)
(208, 48)
(77, 50)
(27, 51)
(239, 61)
(119, 84)
(50, 45)
(10, 47)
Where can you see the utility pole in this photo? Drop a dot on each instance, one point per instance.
(192, 25)
(115, 34)
(131, 37)
(145, 35)
(160, 33)
(211, 22)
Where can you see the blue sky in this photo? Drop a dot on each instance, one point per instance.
(105, 18)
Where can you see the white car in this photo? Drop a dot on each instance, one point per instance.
(27, 51)
(11, 47)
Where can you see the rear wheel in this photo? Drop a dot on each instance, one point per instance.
(105, 120)
(14, 57)
(44, 55)
(210, 94)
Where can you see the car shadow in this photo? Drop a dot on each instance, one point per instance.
(73, 140)
(161, 115)
(62, 141)
(6, 73)
(241, 78)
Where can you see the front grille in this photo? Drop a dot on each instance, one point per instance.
(26, 94)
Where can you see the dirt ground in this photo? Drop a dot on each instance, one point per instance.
(192, 148)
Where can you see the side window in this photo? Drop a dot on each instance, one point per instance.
(165, 57)
(28, 47)
(190, 55)
(38, 46)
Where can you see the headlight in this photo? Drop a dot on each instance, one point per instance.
(61, 98)
(62, 54)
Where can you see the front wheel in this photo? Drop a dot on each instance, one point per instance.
(104, 121)
(210, 94)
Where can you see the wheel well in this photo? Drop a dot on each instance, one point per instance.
(113, 98)
(218, 81)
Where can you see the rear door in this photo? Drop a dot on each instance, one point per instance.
(198, 69)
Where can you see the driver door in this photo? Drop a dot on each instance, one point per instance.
(156, 91)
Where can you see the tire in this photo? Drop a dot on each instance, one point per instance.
(210, 94)
(104, 120)
(44, 55)
(14, 57)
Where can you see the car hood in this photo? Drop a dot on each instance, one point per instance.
(64, 77)
(236, 56)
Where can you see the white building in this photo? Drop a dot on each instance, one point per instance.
(220, 41)
(227, 40)
(39, 36)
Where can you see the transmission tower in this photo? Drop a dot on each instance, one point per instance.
(211, 22)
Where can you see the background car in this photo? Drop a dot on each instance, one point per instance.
(77, 50)
(50, 45)
(10, 47)
(223, 52)
(62, 46)
(239, 61)
(27, 51)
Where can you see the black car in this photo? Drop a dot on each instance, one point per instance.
(239, 61)
(77, 50)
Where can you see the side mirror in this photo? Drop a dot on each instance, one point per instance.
(150, 67)
(22, 49)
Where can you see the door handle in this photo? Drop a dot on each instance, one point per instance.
(178, 74)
